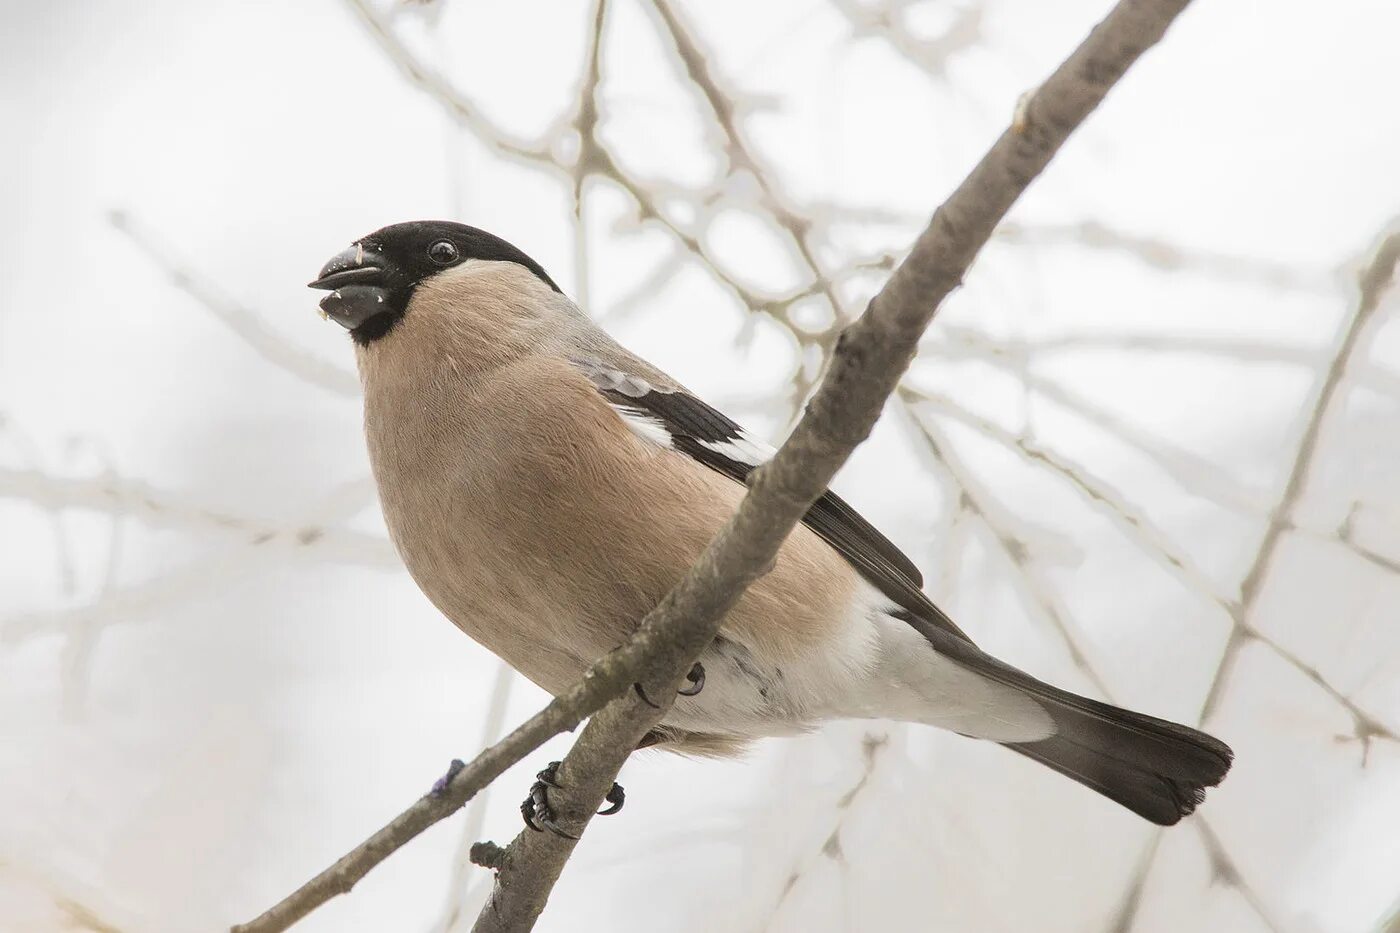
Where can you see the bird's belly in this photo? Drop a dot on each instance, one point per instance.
(759, 679)
(752, 690)
(544, 641)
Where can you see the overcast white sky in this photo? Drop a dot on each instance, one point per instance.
(194, 723)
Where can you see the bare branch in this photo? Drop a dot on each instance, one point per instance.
(80, 647)
(1195, 475)
(29, 452)
(1155, 543)
(1373, 281)
(742, 157)
(82, 909)
(1035, 592)
(886, 21)
(1391, 921)
(459, 895)
(1126, 914)
(1151, 540)
(1097, 491)
(244, 322)
(310, 533)
(1234, 349)
(604, 680)
(1223, 866)
(1166, 256)
(1347, 535)
(1226, 871)
(873, 748)
(121, 604)
(576, 131)
(586, 125)
(1191, 472)
(460, 107)
(1153, 252)
(117, 495)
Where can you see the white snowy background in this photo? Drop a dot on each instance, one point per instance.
(1151, 450)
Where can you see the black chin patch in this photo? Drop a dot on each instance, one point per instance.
(375, 327)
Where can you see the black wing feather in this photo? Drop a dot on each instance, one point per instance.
(696, 429)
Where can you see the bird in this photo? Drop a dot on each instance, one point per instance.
(545, 488)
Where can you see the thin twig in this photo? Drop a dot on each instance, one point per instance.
(1373, 281)
(1034, 590)
(114, 494)
(742, 156)
(885, 20)
(314, 533)
(873, 749)
(459, 895)
(1226, 871)
(244, 322)
(604, 680)
(1166, 256)
(462, 108)
(980, 503)
(1134, 522)
(1192, 473)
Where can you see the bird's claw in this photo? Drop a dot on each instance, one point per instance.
(616, 797)
(535, 808)
(538, 814)
(695, 678)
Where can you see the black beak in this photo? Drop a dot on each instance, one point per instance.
(357, 279)
(350, 266)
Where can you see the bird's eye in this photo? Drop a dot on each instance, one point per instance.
(443, 252)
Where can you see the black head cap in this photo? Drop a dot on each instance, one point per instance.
(372, 281)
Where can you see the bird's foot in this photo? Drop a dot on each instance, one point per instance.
(539, 815)
(695, 683)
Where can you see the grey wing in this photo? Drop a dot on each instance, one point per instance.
(669, 415)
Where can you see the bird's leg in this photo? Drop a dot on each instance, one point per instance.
(696, 679)
(537, 812)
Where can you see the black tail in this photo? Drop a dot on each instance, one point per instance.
(1160, 770)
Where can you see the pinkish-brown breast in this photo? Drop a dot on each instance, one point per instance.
(537, 522)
